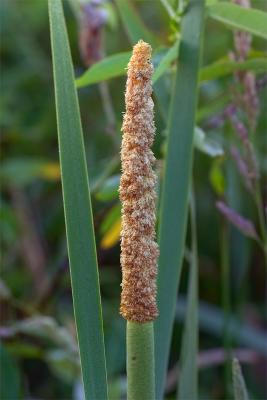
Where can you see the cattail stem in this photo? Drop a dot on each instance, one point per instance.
(140, 361)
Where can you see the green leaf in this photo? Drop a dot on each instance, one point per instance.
(223, 68)
(176, 183)
(236, 17)
(110, 67)
(110, 189)
(134, 26)
(78, 213)
(111, 217)
(206, 145)
(188, 378)
(10, 379)
(166, 61)
(116, 65)
(240, 390)
(216, 177)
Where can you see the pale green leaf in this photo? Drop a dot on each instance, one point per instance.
(226, 67)
(240, 390)
(166, 61)
(110, 67)
(237, 17)
(133, 24)
(206, 145)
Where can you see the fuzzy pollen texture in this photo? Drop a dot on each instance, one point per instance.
(139, 251)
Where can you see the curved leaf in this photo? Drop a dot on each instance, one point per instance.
(236, 17)
(110, 67)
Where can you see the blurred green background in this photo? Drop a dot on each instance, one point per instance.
(39, 357)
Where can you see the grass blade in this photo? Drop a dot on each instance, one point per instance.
(227, 67)
(116, 65)
(78, 213)
(188, 379)
(135, 27)
(240, 390)
(176, 183)
(10, 378)
(166, 61)
(236, 17)
(110, 67)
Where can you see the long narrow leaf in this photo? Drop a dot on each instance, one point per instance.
(176, 183)
(110, 67)
(133, 24)
(78, 213)
(236, 17)
(188, 379)
(240, 390)
(166, 62)
(223, 68)
(115, 66)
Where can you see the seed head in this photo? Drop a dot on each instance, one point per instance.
(139, 251)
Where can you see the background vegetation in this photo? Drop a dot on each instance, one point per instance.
(39, 355)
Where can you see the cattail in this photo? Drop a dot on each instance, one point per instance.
(139, 251)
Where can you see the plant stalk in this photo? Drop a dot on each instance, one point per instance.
(140, 361)
(226, 303)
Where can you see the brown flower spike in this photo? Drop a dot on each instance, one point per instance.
(139, 251)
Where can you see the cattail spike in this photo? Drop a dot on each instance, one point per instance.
(139, 251)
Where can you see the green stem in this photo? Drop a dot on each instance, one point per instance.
(260, 210)
(188, 374)
(140, 361)
(225, 261)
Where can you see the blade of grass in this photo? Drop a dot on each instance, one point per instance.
(135, 28)
(176, 183)
(166, 62)
(110, 67)
(225, 279)
(236, 17)
(227, 67)
(78, 213)
(240, 390)
(188, 378)
(116, 65)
